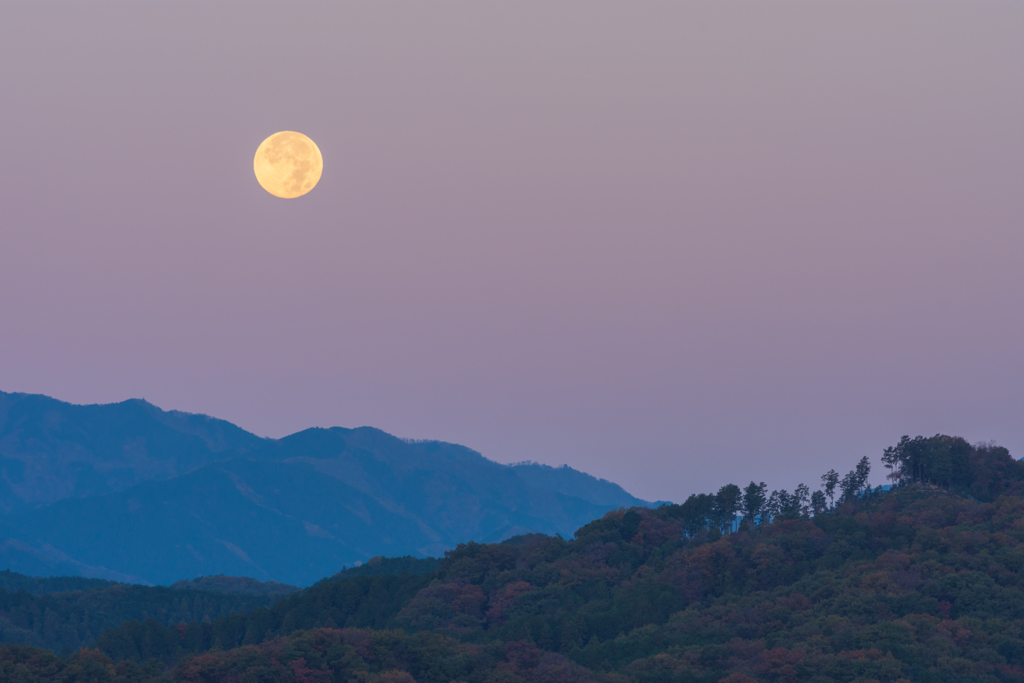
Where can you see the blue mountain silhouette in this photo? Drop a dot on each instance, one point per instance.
(130, 492)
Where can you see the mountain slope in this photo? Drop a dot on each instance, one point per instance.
(452, 491)
(149, 496)
(297, 520)
(239, 517)
(28, 555)
(51, 450)
(567, 481)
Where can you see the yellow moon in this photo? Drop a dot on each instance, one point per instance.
(288, 164)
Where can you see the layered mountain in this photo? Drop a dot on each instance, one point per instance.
(51, 450)
(215, 499)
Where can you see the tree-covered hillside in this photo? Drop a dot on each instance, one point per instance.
(13, 582)
(78, 610)
(848, 584)
(234, 585)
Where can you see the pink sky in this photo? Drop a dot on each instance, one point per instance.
(672, 244)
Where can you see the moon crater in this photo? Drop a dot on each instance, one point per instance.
(288, 164)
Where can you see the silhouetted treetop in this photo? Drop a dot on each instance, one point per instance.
(981, 471)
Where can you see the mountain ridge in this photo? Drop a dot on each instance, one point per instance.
(176, 495)
(51, 449)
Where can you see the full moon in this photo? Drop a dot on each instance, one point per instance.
(288, 164)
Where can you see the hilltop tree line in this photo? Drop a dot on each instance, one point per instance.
(706, 515)
(948, 462)
(920, 583)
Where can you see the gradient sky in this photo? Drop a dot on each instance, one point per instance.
(672, 244)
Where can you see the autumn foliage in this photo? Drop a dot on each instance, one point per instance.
(918, 583)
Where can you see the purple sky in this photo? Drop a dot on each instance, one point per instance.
(672, 244)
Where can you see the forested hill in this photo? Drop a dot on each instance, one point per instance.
(234, 585)
(12, 582)
(65, 613)
(919, 583)
(392, 565)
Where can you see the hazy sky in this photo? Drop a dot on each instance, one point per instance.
(672, 244)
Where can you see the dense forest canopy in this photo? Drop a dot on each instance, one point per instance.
(76, 613)
(950, 462)
(847, 584)
(41, 585)
(234, 585)
(391, 565)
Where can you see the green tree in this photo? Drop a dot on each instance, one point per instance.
(830, 480)
(728, 501)
(801, 495)
(754, 500)
(818, 503)
(855, 481)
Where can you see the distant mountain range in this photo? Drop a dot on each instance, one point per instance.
(51, 450)
(130, 492)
